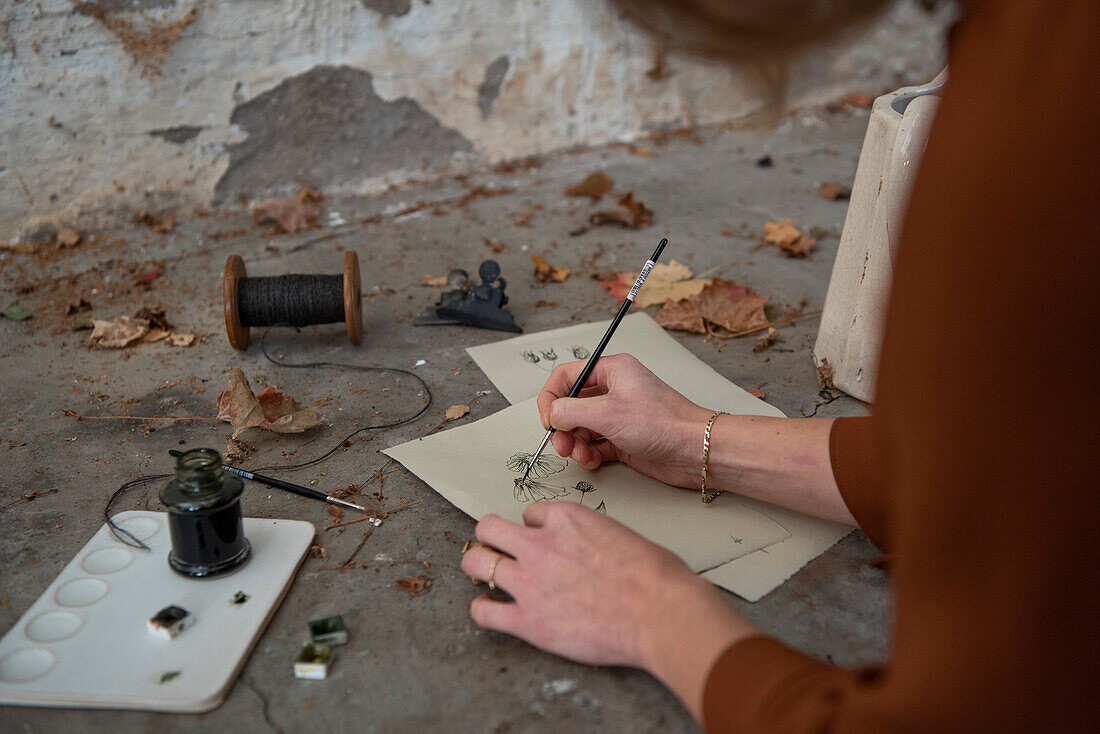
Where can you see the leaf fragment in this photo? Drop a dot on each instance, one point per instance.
(766, 339)
(784, 235)
(455, 412)
(547, 273)
(290, 214)
(414, 585)
(835, 191)
(121, 332)
(595, 185)
(629, 212)
(434, 281)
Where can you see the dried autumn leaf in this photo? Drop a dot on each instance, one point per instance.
(723, 304)
(731, 306)
(781, 233)
(629, 212)
(788, 238)
(681, 316)
(547, 273)
(455, 412)
(834, 191)
(119, 333)
(414, 584)
(664, 282)
(594, 185)
(800, 248)
(434, 281)
(270, 410)
(756, 393)
(523, 219)
(290, 213)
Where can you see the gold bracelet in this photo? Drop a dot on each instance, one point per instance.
(708, 498)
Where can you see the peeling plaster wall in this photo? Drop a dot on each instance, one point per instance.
(111, 106)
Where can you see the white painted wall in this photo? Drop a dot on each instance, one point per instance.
(76, 109)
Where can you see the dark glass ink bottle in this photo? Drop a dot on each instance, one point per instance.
(204, 516)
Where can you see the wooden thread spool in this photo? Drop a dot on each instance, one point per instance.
(300, 300)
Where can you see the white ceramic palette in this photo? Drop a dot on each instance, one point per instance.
(83, 643)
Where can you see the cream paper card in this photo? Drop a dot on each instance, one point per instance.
(477, 467)
(519, 366)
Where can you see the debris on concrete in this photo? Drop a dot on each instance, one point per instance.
(289, 214)
(496, 246)
(835, 191)
(766, 339)
(15, 312)
(547, 273)
(629, 213)
(239, 598)
(414, 585)
(160, 223)
(595, 185)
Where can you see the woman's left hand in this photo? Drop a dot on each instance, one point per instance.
(590, 589)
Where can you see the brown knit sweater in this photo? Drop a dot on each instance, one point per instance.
(979, 466)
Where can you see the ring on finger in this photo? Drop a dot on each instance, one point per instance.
(492, 571)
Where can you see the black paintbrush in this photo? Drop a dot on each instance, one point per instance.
(314, 494)
(579, 384)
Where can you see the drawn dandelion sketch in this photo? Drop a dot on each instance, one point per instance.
(547, 359)
(535, 488)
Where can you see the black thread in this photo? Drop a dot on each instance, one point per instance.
(298, 300)
(134, 542)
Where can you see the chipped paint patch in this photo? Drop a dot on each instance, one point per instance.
(329, 127)
(489, 90)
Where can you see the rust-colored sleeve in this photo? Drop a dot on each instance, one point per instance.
(983, 439)
(761, 685)
(857, 468)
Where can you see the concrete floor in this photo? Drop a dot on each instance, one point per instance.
(417, 663)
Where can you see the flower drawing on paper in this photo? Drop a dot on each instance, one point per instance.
(530, 357)
(580, 352)
(550, 355)
(531, 490)
(601, 508)
(543, 467)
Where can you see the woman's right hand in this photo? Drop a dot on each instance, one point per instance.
(627, 414)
